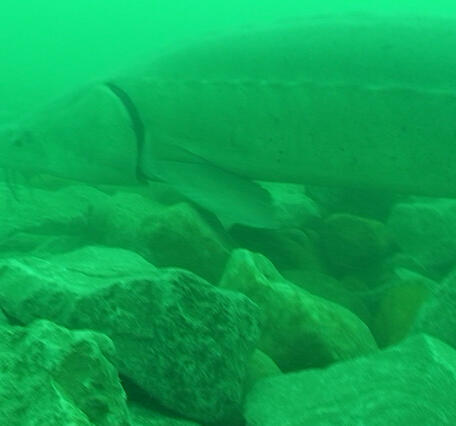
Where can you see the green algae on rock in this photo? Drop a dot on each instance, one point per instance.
(184, 341)
(299, 330)
(410, 384)
(57, 377)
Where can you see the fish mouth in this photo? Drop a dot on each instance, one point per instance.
(136, 123)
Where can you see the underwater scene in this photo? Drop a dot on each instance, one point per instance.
(236, 213)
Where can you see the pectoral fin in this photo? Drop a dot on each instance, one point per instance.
(232, 198)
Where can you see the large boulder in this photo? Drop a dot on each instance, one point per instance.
(55, 377)
(437, 315)
(299, 330)
(184, 341)
(352, 243)
(410, 384)
(426, 230)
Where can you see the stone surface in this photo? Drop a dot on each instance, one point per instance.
(184, 341)
(259, 367)
(352, 243)
(3, 319)
(285, 248)
(299, 330)
(52, 376)
(293, 207)
(330, 288)
(426, 230)
(180, 237)
(375, 204)
(116, 220)
(34, 216)
(437, 315)
(410, 384)
(142, 416)
(398, 306)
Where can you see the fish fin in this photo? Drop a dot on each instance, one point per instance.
(232, 198)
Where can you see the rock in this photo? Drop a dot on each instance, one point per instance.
(37, 215)
(116, 220)
(299, 330)
(410, 384)
(374, 204)
(180, 237)
(184, 341)
(332, 289)
(352, 243)
(259, 367)
(437, 316)
(53, 376)
(285, 248)
(3, 319)
(50, 288)
(426, 230)
(142, 416)
(293, 207)
(399, 304)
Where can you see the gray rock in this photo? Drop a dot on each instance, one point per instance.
(3, 319)
(353, 243)
(371, 203)
(116, 220)
(259, 367)
(285, 248)
(299, 330)
(426, 230)
(410, 384)
(174, 235)
(179, 236)
(32, 287)
(399, 301)
(53, 376)
(329, 288)
(142, 416)
(35, 215)
(184, 341)
(437, 315)
(293, 207)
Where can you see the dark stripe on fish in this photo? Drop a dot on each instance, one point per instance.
(137, 124)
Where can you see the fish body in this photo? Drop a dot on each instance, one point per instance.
(366, 101)
(348, 100)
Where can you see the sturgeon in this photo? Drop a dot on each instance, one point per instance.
(363, 101)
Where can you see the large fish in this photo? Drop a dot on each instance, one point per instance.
(349, 100)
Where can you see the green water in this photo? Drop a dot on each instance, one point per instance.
(52, 47)
(229, 235)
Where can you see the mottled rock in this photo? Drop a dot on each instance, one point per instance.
(180, 237)
(352, 243)
(33, 216)
(332, 289)
(259, 367)
(184, 341)
(52, 376)
(293, 207)
(375, 204)
(426, 230)
(299, 330)
(32, 288)
(285, 248)
(3, 319)
(410, 384)
(398, 306)
(437, 315)
(116, 220)
(143, 416)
